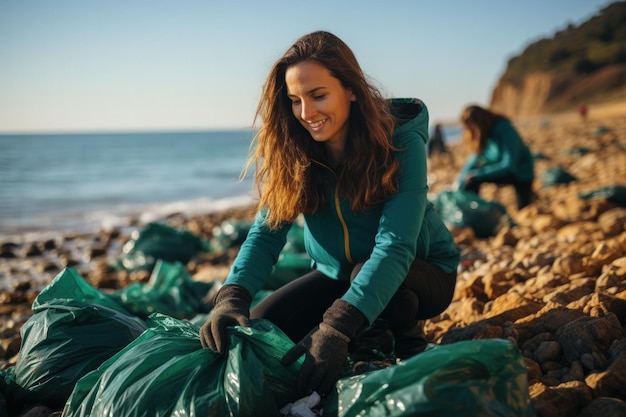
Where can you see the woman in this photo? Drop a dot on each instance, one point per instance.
(329, 148)
(499, 155)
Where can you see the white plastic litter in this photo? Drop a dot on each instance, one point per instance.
(302, 407)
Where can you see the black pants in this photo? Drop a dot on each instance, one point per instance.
(523, 189)
(298, 306)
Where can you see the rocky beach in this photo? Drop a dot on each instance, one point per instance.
(553, 281)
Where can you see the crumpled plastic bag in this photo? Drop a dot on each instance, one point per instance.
(614, 193)
(555, 176)
(288, 267)
(166, 372)
(463, 208)
(576, 151)
(469, 378)
(6, 385)
(170, 290)
(293, 261)
(159, 241)
(304, 407)
(74, 328)
(229, 233)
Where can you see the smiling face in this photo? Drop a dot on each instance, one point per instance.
(320, 103)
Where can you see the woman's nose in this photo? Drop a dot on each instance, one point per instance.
(307, 110)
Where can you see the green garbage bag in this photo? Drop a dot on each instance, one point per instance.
(614, 193)
(463, 208)
(6, 386)
(74, 328)
(295, 238)
(166, 372)
(469, 378)
(556, 175)
(159, 241)
(170, 290)
(288, 267)
(601, 130)
(229, 233)
(577, 151)
(293, 261)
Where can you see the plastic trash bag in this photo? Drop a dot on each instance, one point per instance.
(159, 241)
(613, 193)
(293, 261)
(576, 151)
(166, 372)
(556, 175)
(170, 290)
(295, 238)
(74, 328)
(233, 232)
(288, 267)
(469, 378)
(601, 130)
(463, 208)
(6, 385)
(230, 233)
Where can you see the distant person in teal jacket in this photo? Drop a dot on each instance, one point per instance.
(499, 155)
(332, 148)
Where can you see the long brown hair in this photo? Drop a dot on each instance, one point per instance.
(288, 180)
(478, 123)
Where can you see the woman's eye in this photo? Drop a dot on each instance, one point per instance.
(319, 97)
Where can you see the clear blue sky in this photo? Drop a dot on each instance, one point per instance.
(119, 65)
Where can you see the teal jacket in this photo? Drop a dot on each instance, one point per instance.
(505, 154)
(387, 237)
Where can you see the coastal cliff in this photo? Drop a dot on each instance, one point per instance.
(555, 92)
(583, 64)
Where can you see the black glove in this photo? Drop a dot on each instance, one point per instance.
(231, 308)
(326, 348)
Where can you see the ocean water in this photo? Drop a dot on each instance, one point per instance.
(84, 182)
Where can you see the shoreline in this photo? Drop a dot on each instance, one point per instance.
(96, 221)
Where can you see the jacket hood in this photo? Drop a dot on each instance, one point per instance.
(410, 114)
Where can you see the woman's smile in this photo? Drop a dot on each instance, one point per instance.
(317, 125)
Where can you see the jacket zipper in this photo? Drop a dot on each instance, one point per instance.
(346, 240)
(346, 234)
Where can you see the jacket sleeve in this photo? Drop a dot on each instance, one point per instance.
(510, 145)
(469, 165)
(257, 255)
(398, 229)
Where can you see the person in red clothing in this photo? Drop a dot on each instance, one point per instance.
(582, 111)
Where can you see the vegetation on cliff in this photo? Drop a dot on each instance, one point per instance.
(596, 43)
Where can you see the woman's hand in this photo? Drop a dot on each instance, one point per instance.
(326, 348)
(231, 308)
